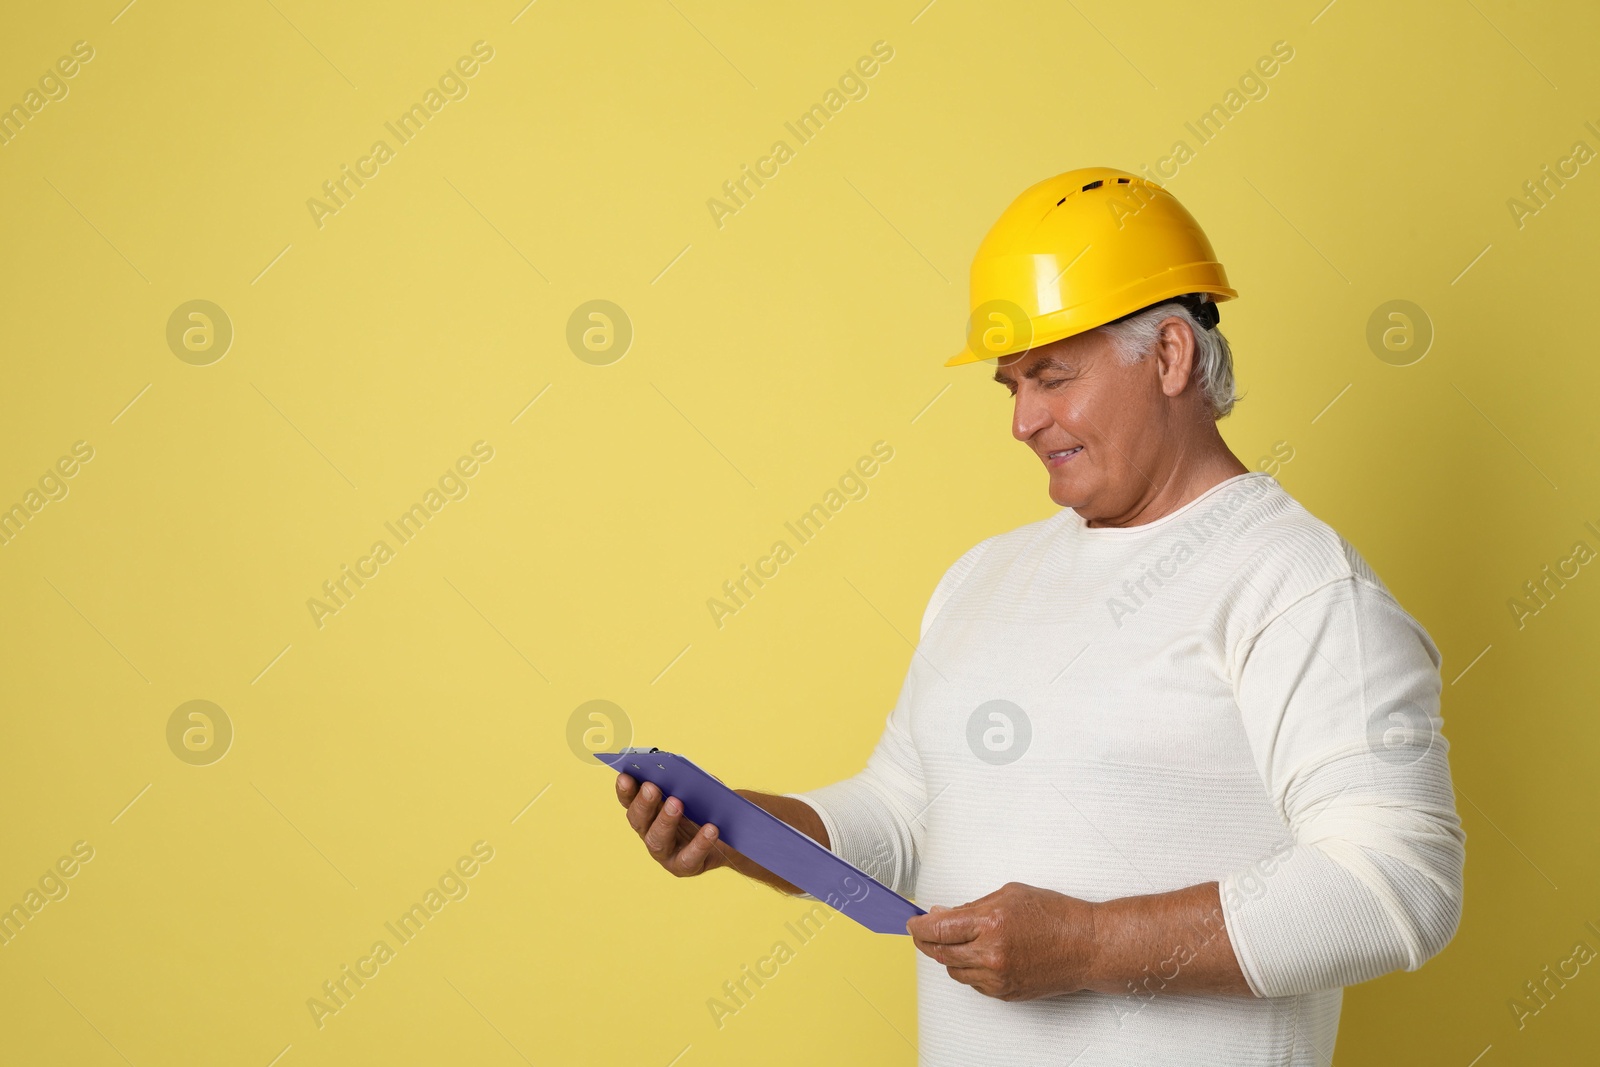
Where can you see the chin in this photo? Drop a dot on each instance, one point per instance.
(1067, 491)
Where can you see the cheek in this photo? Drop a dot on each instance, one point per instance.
(1101, 412)
(1076, 413)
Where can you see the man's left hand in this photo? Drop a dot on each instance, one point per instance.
(1018, 943)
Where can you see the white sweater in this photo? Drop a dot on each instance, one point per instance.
(1228, 693)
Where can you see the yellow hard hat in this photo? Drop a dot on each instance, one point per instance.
(1078, 251)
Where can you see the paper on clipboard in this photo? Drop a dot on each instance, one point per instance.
(767, 840)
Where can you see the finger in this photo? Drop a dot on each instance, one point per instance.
(627, 789)
(967, 954)
(948, 926)
(918, 923)
(662, 837)
(642, 812)
(691, 858)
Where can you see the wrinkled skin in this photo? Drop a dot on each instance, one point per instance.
(1018, 943)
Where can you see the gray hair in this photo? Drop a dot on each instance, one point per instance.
(1135, 337)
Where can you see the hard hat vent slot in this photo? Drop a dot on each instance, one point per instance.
(1093, 185)
(1122, 181)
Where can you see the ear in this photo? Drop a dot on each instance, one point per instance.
(1174, 355)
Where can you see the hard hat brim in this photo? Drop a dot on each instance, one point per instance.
(1083, 323)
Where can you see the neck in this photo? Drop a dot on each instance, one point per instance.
(1186, 477)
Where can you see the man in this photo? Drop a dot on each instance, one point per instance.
(1173, 753)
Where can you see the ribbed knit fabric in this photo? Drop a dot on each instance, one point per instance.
(1226, 694)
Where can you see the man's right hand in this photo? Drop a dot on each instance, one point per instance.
(684, 848)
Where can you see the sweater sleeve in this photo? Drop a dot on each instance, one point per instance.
(1339, 695)
(874, 819)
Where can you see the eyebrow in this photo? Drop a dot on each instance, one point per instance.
(1051, 363)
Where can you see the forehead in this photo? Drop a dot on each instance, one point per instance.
(1057, 356)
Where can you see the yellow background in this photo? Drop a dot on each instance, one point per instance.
(768, 355)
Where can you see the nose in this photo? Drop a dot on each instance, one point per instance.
(1030, 414)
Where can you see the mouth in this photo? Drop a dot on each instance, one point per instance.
(1060, 456)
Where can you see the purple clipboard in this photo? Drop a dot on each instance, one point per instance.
(768, 840)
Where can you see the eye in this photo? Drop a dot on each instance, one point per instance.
(1053, 382)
